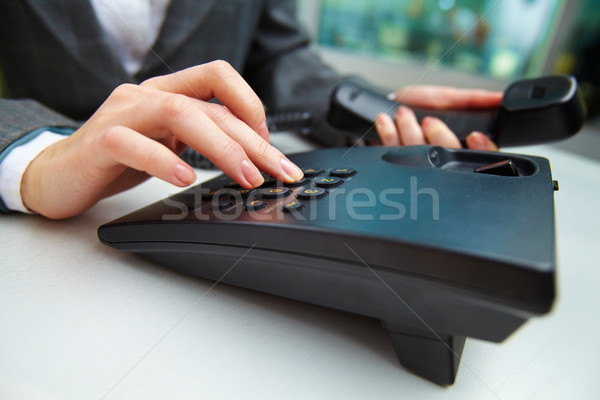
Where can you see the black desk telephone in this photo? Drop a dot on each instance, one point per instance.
(438, 244)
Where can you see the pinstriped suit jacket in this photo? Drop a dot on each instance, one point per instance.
(56, 53)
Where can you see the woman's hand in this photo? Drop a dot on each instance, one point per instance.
(140, 129)
(405, 130)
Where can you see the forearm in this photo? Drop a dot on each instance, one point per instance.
(20, 117)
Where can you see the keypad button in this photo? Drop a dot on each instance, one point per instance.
(221, 193)
(268, 182)
(276, 192)
(329, 182)
(301, 182)
(244, 193)
(233, 185)
(311, 193)
(342, 172)
(308, 172)
(255, 205)
(222, 205)
(293, 206)
(207, 195)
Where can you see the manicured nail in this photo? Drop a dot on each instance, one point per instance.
(291, 170)
(382, 119)
(402, 110)
(429, 121)
(263, 131)
(251, 174)
(185, 174)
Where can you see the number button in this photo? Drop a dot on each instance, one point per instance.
(311, 172)
(293, 206)
(342, 172)
(328, 182)
(301, 182)
(313, 193)
(268, 182)
(276, 192)
(222, 205)
(233, 185)
(244, 193)
(255, 205)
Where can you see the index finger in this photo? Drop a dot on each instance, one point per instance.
(444, 97)
(217, 79)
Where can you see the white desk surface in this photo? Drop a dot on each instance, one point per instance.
(79, 320)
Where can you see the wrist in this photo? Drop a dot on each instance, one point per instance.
(40, 183)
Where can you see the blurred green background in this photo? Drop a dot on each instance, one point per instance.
(499, 40)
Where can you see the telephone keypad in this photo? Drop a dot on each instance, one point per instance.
(289, 197)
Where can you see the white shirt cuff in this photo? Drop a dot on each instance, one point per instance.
(15, 163)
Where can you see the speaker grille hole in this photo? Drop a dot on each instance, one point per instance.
(537, 92)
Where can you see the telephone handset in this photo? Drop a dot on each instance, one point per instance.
(532, 111)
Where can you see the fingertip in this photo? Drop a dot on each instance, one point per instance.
(291, 171)
(479, 141)
(382, 119)
(251, 175)
(184, 174)
(438, 133)
(386, 130)
(429, 121)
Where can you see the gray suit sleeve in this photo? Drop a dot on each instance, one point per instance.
(288, 75)
(19, 117)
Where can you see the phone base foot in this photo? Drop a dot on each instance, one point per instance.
(434, 357)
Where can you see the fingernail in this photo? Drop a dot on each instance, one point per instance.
(427, 121)
(291, 170)
(391, 96)
(402, 110)
(382, 119)
(263, 131)
(185, 174)
(251, 174)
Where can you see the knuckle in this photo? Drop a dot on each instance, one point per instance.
(218, 112)
(220, 67)
(263, 148)
(151, 82)
(222, 70)
(232, 149)
(124, 90)
(111, 139)
(174, 106)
